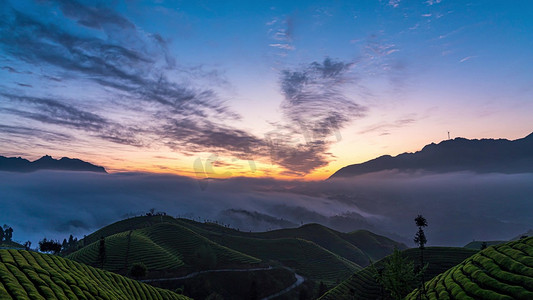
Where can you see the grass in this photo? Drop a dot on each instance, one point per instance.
(11, 245)
(362, 284)
(166, 244)
(358, 247)
(125, 248)
(162, 247)
(124, 225)
(503, 271)
(476, 245)
(31, 275)
(305, 257)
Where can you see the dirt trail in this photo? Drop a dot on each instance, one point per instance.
(299, 279)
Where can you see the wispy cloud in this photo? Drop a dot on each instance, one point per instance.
(467, 58)
(137, 73)
(384, 127)
(282, 46)
(432, 2)
(315, 109)
(281, 31)
(54, 112)
(394, 3)
(111, 83)
(315, 100)
(135, 70)
(16, 132)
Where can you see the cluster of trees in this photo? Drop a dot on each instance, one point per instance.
(152, 212)
(399, 275)
(70, 245)
(6, 234)
(138, 270)
(49, 246)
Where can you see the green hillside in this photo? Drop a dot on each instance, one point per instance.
(362, 284)
(125, 225)
(162, 247)
(11, 245)
(31, 275)
(374, 246)
(305, 257)
(499, 272)
(178, 246)
(357, 246)
(477, 244)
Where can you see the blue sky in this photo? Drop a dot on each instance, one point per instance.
(301, 88)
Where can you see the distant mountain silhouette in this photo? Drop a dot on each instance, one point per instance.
(460, 154)
(18, 164)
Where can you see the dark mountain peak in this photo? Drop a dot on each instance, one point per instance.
(45, 158)
(47, 162)
(528, 138)
(459, 154)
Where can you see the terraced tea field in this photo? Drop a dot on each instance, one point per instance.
(11, 245)
(305, 257)
(503, 271)
(357, 246)
(31, 275)
(477, 244)
(125, 225)
(362, 284)
(161, 247)
(177, 246)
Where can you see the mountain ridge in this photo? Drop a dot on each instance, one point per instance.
(459, 154)
(19, 164)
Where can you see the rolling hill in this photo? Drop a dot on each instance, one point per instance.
(162, 247)
(362, 284)
(17, 164)
(480, 156)
(178, 246)
(476, 245)
(31, 275)
(503, 271)
(11, 245)
(357, 246)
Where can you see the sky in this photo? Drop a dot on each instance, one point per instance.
(282, 89)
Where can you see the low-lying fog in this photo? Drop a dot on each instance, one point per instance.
(459, 207)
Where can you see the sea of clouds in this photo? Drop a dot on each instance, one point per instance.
(460, 207)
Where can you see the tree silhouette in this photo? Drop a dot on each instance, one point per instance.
(27, 245)
(49, 246)
(138, 270)
(8, 234)
(101, 252)
(1, 234)
(483, 245)
(421, 240)
(397, 276)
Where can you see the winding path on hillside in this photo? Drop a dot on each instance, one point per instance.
(299, 279)
(194, 274)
